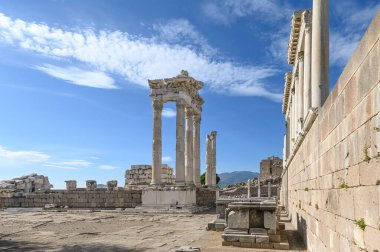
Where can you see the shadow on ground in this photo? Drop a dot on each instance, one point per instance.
(12, 245)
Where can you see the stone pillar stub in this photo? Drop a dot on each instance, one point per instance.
(197, 150)
(157, 142)
(258, 188)
(71, 185)
(189, 179)
(320, 53)
(180, 144)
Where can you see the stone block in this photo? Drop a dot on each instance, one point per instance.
(367, 205)
(274, 238)
(236, 244)
(371, 238)
(270, 220)
(258, 231)
(238, 219)
(230, 237)
(226, 243)
(267, 245)
(188, 249)
(236, 231)
(246, 244)
(262, 239)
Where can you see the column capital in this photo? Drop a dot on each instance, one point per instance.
(157, 105)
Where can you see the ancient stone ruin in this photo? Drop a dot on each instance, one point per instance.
(142, 175)
(25, 184)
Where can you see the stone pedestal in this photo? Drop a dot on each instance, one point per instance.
(111, 185)
(71, 185)
(91, 185)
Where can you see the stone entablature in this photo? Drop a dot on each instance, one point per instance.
(142, 175)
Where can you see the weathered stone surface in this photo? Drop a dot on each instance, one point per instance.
(188, 249)
(91, 184)
(235, 231)
(270, 220)
(262, 239)
(238, 219)
(258, 231)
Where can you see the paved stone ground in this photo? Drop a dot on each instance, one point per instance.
(107, 231)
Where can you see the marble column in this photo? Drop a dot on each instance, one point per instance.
(197, 150)
(320, 53)
(213, 157)
(296, 102)
(208, 179)
(300, 90)
(269, 189)
(180, 145)
(258, 188)
(157, 142)
(249, 188)
(307, 65)
(189, 180)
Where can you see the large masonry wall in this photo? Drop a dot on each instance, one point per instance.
(334, 178)
(80, 198)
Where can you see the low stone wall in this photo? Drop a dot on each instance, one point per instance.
(79, 198)
(205, 197)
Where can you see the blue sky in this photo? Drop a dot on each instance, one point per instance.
(74, 97)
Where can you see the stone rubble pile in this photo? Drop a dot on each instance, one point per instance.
(27, 184)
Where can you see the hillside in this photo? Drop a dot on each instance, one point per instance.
(231, 178)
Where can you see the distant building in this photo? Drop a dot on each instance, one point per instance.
(270, 167)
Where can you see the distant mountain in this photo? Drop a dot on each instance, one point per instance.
(231, 178)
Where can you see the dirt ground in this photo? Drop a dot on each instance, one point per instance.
(109, 231)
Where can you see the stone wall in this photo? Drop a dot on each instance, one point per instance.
(205, 197)
(331, 187)
(79, 198)
(270, 167)
(142, 175)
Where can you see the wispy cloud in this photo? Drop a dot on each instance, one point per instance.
(78, 76)
(65, 167)
(227, 11)
(81, 163)
(134, 58)
(168, 112)
(166, 159)
(181, 31)
(346, 36)
(23, 155)
(107, 167)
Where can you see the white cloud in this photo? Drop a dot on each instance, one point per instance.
(168, 112)
(82, 163)
(61, 166)
(166, 159)
(181, 31)
(136, 59)
(107, 167)
(79, 77)
(227, 11)
(23, 156)
(346, 36)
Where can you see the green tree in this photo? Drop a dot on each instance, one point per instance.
(203, 178)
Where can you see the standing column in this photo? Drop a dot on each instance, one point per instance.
(180, 145)
(249, 188)
(189, 147)
(197, 149)
(320, 53)
(300, 90)
(258, 188)
(296, 102)
(157, 143)
(213, 157)
(208, 179)
(307, 65)
(269, 189)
